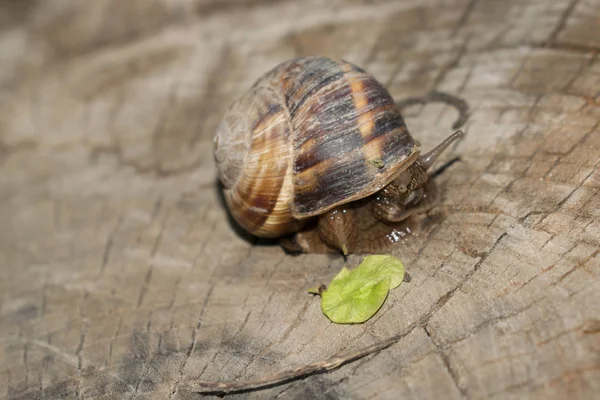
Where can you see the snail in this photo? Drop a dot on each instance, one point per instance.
(316, 154)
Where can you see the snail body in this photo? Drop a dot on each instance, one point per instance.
(314, 144)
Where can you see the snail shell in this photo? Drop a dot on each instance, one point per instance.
(309, 135)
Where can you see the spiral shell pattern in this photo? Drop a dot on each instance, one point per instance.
(309, 135)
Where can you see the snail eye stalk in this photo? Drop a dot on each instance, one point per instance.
(427, 160)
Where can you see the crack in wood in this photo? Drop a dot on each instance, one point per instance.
(175, 388)
(464, 17)
(282, 339)
(446, 297)
(562, 23)
(79, 388)
(489, 323)
(448, 365)
(580, 264)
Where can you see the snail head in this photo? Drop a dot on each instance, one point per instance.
(410, 183)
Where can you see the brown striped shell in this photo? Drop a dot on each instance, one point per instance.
(310, 134)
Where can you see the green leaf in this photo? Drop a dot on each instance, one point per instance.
(355, 296)
(383, 265)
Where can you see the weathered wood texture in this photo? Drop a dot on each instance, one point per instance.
(121, 276)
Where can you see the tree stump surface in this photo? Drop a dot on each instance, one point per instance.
(121, 276)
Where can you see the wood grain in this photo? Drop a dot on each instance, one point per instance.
(121, 276)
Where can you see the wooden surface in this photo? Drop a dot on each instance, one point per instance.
(121, 276)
